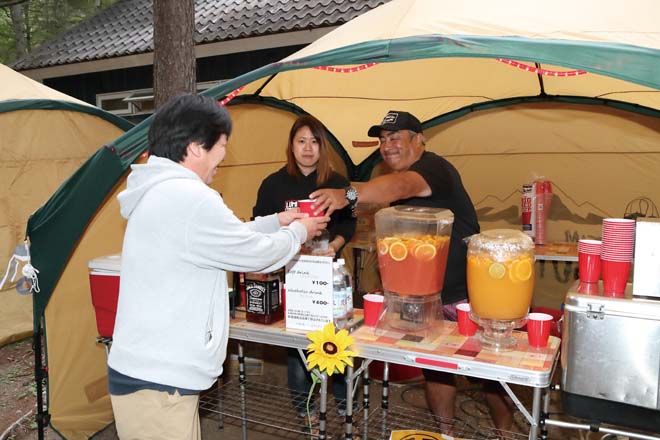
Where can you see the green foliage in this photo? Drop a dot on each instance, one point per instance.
(44, 20)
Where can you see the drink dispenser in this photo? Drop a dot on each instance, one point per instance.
(500, 279)
(413, 244)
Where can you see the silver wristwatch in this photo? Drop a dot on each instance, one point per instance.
(351, 195)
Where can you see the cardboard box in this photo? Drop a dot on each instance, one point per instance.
(646, 274)
(365, 228)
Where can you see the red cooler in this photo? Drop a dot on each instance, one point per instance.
(104, 284)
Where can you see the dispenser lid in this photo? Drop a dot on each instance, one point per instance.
(420, 214)
(502, 240)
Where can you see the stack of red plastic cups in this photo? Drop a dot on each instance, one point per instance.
(617, 254)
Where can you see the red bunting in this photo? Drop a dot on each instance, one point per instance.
(231, 96)
(538, 71)
(345, 69)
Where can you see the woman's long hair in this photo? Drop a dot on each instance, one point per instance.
(323, 168)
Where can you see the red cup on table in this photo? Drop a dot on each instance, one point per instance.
(615, 277)
(307, 206)
(589, 267)
(538, 329)
(373, 307)
(588, 288)
(466, 326)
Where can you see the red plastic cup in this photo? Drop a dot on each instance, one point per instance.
(588, 288)
(538, 329)
(615, 277)
(466, 326)
(589, 267)
(307, 206)
(373, 307)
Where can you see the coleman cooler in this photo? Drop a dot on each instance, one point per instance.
(610, 358)
(104, 284)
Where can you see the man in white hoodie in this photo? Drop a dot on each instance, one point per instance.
(172, 324)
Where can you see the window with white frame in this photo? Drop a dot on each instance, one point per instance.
(137, 102)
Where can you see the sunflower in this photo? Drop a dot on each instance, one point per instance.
(328, 350)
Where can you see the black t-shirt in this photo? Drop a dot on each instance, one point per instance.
(447, 191)
(279, 187)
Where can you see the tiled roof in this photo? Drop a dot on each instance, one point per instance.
(126, 28)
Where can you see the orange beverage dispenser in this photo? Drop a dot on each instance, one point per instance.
(413, 244)
(500, 281)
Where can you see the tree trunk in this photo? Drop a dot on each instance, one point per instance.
(60, 16)
(174, 49)
(20, 31)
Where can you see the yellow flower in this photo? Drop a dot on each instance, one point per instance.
(328, 350)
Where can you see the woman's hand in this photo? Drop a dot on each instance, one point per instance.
(333, 247)
(331, 251)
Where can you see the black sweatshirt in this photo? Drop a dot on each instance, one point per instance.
(279, 187)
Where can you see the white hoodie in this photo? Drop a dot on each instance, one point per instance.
(173, 313)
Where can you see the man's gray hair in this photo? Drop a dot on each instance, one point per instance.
(413, 133)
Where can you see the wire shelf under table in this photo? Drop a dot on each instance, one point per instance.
(271, 406)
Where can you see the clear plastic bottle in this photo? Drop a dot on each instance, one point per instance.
(348, 280)
(316, 245)
(338, 296)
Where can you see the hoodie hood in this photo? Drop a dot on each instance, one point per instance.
(145, 176)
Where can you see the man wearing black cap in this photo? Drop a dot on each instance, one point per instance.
(422, 178)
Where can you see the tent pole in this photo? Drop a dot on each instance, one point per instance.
(40, 375)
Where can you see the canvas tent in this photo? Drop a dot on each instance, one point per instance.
(506, 90)
(45, 136)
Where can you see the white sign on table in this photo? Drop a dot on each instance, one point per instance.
(308, 292)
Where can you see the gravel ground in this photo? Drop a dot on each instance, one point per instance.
(18, 397)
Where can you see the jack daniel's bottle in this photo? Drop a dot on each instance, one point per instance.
(263, 297)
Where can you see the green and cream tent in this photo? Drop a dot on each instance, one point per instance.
(45, 136)
(507, 90)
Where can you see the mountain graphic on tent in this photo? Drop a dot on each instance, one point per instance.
(504, 89)
(493, 209)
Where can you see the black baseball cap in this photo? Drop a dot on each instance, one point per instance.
(396, 120)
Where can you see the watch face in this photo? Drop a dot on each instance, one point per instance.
(351, 194)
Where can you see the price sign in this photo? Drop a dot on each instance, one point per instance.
(308, 292)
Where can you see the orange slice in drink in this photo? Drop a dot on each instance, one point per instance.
(441, 240)
(497, 271)
(383, 244)
(425, 252)
(411, 244)
(522, 270)
(382, 247)
(398, 251)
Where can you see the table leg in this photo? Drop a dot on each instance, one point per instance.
(536, 414)
(349, 402)
(365, 390)
(386, 386)
(241, 364)
(365, 402)
(357, 262)
(545, 414)
(242, 381)
(323, 405)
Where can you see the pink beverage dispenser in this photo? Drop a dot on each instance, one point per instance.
(413, 244)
